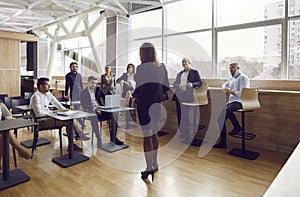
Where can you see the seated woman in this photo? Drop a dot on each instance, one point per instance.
(6, 114)
(127, 80)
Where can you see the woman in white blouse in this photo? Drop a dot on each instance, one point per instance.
(6, 114)
(127, 80)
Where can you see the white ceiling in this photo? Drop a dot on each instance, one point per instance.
(26, 15)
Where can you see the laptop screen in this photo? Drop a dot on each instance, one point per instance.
(112, 101)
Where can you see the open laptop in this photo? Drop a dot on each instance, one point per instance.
(111, 101)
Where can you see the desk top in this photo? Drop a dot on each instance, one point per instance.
(69, 103)
(118, 109)
(23, 107)
(287, 181)
(79, 114)
(15, 124)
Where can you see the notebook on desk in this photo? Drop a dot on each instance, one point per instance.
(66, 113)
(111, 101)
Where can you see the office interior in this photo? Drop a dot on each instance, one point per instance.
(41, 39)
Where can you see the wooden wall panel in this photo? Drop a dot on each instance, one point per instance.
(276, 124)
(9, 67)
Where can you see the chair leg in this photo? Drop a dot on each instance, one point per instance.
(35, 139)
(60, 141)
(243, 133)
(14, 155)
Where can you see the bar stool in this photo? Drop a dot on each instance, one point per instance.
(200, 99)
(250, 103)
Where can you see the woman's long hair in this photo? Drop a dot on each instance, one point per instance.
(148, 53)
(130, 64)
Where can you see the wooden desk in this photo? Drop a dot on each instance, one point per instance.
(16, 176)
(72, 157)
(287, 181)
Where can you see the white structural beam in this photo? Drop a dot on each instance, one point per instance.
(48, 34)
(93, 47)
(64, 28)
(52, 54)
(97, 22)
(79, 19)
(121, 7)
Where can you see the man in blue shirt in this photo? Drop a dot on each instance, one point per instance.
(233, 87)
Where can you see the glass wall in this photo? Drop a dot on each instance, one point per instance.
(257, 50)
(231, 12)
(211, 33)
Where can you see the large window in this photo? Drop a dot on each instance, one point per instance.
(294, 49)
(257, 50)
(188, 15)
(195, 46)
(294, 7)
(231, 12)
(146, 24)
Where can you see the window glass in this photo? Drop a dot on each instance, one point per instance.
(294, 50)
(231, 12)
(147, 23)
(189, 15)
(257, 50)
(180, 46)
(294, 7)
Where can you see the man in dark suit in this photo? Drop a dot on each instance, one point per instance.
(184, 85)
(91, 99)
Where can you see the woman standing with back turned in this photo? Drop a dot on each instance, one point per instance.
(151, 84)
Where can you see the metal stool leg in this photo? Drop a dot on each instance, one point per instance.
(242, 152)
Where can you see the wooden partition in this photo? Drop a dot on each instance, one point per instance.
(276, 124)
(9, 67)
(10, 61)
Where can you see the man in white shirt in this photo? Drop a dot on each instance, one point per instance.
(39, 102)
(233, 87)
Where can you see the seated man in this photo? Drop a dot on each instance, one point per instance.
(40, 104)
(91, 99)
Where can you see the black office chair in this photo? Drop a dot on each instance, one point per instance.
(37, 130)
(18, 113)
(27, 95)
(2, 96)
(8, 101)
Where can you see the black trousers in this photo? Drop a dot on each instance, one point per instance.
(228, 113)
(182, 112)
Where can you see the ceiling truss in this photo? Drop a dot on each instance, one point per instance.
(27, 15)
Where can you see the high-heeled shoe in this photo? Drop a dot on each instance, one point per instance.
(145, 174)
(155, 167)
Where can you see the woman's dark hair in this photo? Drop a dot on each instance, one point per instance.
(130, 64)
(148, 53)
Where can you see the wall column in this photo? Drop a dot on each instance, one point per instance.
(117, 43)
